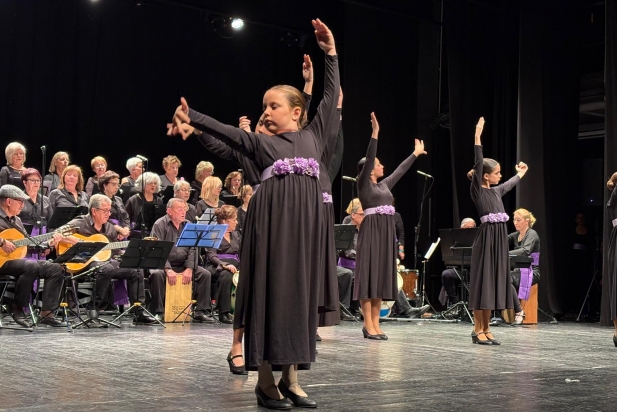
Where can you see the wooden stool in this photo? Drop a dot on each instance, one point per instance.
(530, 306)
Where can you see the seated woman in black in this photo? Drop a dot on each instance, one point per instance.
(210, 192)
(225, 261)
(134, 205)
(70, 192)
(32, 215)
(15, 158)
(109, 183)
(524, 242)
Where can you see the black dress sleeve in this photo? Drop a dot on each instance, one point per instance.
(326, 111)
(478, 167)
(391, 180)
(364, 176)
(613, 198)
(218, 148)
(4, 175)
(504, 188)
(337, 158)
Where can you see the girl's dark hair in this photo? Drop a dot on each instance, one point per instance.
(488, 165)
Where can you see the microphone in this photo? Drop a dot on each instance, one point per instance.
(351, 179)
(424, 174)
(43, 148)
(142, 158)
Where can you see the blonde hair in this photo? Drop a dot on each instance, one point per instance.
(97, 159)
(245, 190)
(295, 99)
(10, 150)
(52, 166)
(209, 184)
(612, 181)
(527, 215)
(352, 204)
(80, 177)
(169, 160)
(202, 167)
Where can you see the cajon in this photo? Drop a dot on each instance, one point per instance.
(177, 297)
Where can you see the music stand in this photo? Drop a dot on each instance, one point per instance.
(168, 193)
(150, 213)
(81, 253)
(144, 254)
(207, 217)
(343, 240)
(232, 200)
(64, 214)
(198, 235)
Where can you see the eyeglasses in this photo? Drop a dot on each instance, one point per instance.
(358, 214)
(100, 166)
(33, 180)
(184, 190)
(104, 211)
(113, 184)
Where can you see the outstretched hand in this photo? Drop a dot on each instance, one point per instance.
(307, 69)
(479, 128)
(181, 117)
(324, 36)
(245, 124)
(375, 125)
(521, 169)
(419, 148)
(186, 127)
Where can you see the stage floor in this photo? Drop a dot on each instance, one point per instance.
(423, 367)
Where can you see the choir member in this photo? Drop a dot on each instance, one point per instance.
(146, 193)
(32, 215)
(70, 192)
(182, 190)
(135, 167)
(245, 194)
(15, 158)
(58, 163)
(108, 185)
(171, 165)
(233, 181)
(210, 192)
(99, 167)
(202, 171)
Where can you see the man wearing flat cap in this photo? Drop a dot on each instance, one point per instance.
(26, 271)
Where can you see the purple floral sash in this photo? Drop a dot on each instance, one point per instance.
(327, 198)
(380, 210)
(494, 218)
(297, 165)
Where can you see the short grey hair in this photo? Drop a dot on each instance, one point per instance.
(149, 177)
(132, 163)
(179, 184)
(10, 150)
(355, 207)
(203, 166)
(171, 202)
(97, 200)
(468, 220)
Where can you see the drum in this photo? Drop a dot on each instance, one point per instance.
(234, 286)
(177, 297)
(386, 306)
(410, 277)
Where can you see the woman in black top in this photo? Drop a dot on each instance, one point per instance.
(210, 192)
(71, 190)
(58, 163)
(135, 202)
(108, 185)
(225, 261)
(245, 194)
(171, 164)
(15, 158)
(99, 167)
(202, 171)
(31, 215)
(233, 181)
(135, 166)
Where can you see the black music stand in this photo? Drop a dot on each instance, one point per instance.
(232, 200)
(198, 235)
(207, 217)
(343, 240)
(64, 214)
(168, 193)
(150, 213)
(81, 253)
(144, 254)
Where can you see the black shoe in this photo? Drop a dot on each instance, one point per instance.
(369, 336)
(383, 336)
(226, 318)
(317, 337)
(417, 312)
(474, 339)
(143, 319)
(267, 402)
(51, 321)
(235, 369)
(22, 319)
(615, 340)
(493, 341)
(345, 316)
(297, 400)
(202, 317)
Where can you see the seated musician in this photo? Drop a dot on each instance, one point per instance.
(449, 278)
(180, 265)
(225, 261)
(210, 192)
(32, 214)
(182, 190)
(70, 192)
(523, 242)
(24, 270)
(96, 222)
(58, 163)
(202, 171)
(347, 219)
(347, 258)
(135, 202)
(109, 182)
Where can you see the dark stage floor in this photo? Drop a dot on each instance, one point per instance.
(423, 367)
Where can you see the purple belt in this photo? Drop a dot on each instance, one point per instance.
(327, 198)
(228, 256)
(296, 165)
(499, 217)
(346, 263)
(380, 210)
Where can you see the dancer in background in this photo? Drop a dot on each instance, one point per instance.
(612, 252)
(490, 272)
(375, 278)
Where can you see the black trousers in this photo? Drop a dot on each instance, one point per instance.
(401, 306)
(134, 278)
(345, 280)
(450, 281)
(224, 280)
(25, 272)
(54, 278)
(516, 282)
(158, 283)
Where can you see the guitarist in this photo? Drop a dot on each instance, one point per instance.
(95, 222)
(26, 271)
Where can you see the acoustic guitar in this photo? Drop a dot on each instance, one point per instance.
(103, 255)
(21, 242)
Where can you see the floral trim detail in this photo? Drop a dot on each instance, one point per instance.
(495, 218)
(384, 210)
(297, 165)
(327, 198)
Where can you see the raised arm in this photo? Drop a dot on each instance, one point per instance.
(307, 74)
(364, 178)
(478, 167)
(391, 180)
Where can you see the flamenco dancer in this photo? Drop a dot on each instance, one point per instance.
(490, 271)
(375, 278)
(612, 252)
(277, 293)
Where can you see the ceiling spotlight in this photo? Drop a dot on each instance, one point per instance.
(237, 23)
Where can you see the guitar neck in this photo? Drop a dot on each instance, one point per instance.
(116, 245)
(32, 240)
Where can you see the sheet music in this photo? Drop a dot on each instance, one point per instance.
(432, 249)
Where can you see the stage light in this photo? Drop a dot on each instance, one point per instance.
(237, 23)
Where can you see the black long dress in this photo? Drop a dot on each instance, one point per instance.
(490, 271)
(376, 248)
(612, 255)
(277, 293)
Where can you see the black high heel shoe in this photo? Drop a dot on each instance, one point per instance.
(493, 341)
(474, 339)
(383, 336)
(297, 400)
(369, 336)
(235, 369)
(615, 340)
(269, 403)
